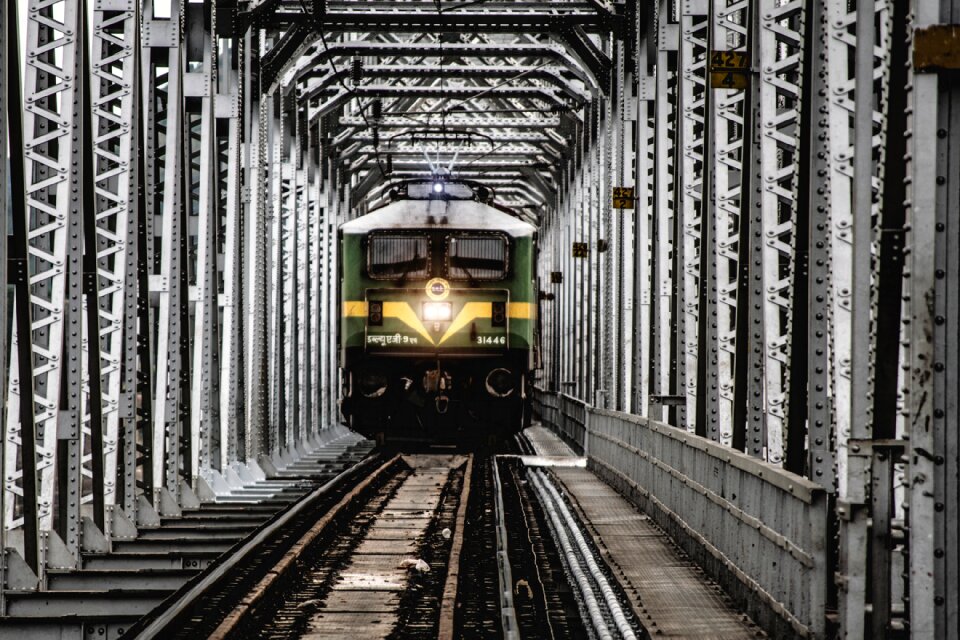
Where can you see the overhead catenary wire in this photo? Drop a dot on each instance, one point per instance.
(342, 83)
(443, 113)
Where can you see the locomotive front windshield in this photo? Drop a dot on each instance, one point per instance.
(477, 257)
(472, 257)
(399, 256)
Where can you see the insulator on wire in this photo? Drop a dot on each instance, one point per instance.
(389, 163)
(377, 108)
(376, 137)
(356, 70)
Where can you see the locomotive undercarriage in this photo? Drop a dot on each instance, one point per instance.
(438, 399)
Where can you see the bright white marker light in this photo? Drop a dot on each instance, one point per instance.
(436, 311)
(438, 187)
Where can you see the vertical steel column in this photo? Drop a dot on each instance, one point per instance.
(53, 174)
(91, 446)
(21, 503)
(923, 210)
(932, 315)
(886, 498)
(592, 180)
(294, 221)
(749, 415)
(781, 77)
(694, 28)
(200, 86)
(664, 278)
(342, 198)
(854, 524)
(150, 203)
(608, 310)
(10, 35)
(729, 21)
(115, 108)
(643, 224)
(287, 287)
(818, 413)
(276, 241)
(843, 43)
(274, 309)
(304, 299)
(168, 433)
(125, 47)
(313, 283)
(322, 285)
(855, 246)
(579, 286)
(331, 321)
(625, 119)
(256, 118)
(229, 105)
(707, 391)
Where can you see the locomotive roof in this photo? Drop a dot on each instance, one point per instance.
(439, 214)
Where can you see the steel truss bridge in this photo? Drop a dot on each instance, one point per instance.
(765, 340)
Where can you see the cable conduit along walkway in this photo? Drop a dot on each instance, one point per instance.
(588, 576)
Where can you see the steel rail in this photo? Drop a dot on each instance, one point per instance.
(173, 610)
(448, 601)
(235, 618)
(508, 615)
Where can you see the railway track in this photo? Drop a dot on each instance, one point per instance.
(410, 546)
(368, 556)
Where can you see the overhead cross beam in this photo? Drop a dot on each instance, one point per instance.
(502, 75)
(545, 96)
(294, 42)
(454, 122)
(424, 17)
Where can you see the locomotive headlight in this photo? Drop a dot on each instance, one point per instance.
(437, 311)
(438, 187)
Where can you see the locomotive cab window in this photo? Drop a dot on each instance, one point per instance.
(398, 256)
(477, 257)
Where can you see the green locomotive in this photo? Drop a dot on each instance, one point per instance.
(438, 303)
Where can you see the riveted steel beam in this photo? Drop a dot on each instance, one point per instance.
(277, 60)
(544, 96)
(454, 122)
(589, 55)
(535, 17)
(504, 77)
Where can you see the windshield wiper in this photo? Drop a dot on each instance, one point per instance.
(410, 264)
(470, 279)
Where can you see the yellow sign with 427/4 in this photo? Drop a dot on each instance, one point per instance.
(729, 69)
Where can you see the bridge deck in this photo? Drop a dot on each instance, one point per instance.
(668, 592)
